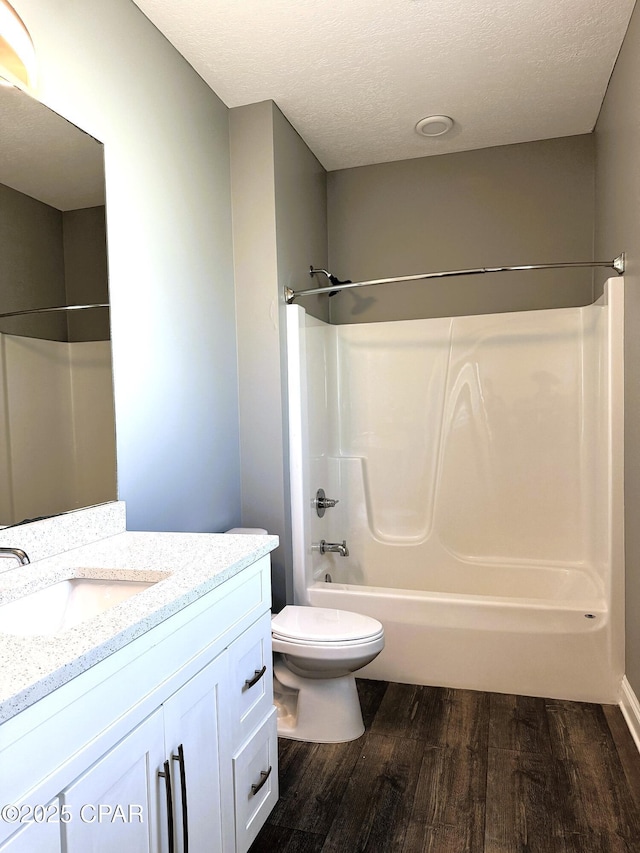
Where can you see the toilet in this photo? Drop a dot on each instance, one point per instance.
(249, 531)
(316, 651)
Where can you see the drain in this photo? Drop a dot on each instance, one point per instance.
(589, 615)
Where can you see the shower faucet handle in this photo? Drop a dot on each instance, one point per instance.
(326, 503)
(321, 502)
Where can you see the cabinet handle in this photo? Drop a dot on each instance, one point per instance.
(264, 775)
(166, 775)
(256, 678)
(183, 794)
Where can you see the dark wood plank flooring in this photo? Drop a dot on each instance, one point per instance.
(458, 771)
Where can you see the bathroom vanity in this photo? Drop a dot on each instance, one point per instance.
(149, 726)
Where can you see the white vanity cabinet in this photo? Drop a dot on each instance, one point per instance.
(194, 732)
(40, 837)
(172, 735)
(123, 777)
(254, 739)
(181, 742)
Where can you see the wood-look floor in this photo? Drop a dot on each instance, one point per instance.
(459, 771)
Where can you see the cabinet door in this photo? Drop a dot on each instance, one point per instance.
(114, 803)
(43, 837)
(195, 720)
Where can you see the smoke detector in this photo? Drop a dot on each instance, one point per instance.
(434, 126)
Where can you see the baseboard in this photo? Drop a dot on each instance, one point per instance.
(630, 707)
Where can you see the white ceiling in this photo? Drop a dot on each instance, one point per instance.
(354, 76)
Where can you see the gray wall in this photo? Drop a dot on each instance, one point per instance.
(85, 272)
(107, 69)
(50, 257)
(301, 213)
(31, 264)
(279, 229)
(515, 204)
(617, 139)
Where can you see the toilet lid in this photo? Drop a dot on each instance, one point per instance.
(323, 625)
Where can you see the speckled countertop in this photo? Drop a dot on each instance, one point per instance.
(194, 563)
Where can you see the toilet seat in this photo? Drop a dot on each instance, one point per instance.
(328, 658)
(337, 644)
(320, 626)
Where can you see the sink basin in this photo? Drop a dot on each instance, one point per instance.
(62, 605)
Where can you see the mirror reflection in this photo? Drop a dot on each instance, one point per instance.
(57, 433)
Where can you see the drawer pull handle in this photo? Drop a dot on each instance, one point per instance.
(183, 794)
(264, 775)
(256, 678)
(166, 775)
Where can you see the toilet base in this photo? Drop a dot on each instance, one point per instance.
(317, 710)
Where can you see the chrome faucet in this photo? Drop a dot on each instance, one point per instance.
(336, 547)
(321, 502)
(16, 554)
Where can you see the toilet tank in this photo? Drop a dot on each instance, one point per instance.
(251, 531)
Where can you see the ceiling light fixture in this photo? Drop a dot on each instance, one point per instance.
(17, 54)
(434, 126)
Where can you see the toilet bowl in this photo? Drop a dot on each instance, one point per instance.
(317, 650)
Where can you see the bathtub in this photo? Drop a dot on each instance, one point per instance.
(478, 468)
(557, 646)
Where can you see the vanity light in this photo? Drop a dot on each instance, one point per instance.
(17, 54)
(434, 125)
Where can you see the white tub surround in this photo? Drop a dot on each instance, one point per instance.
(57, 442)
(477, 462)
(174, 683)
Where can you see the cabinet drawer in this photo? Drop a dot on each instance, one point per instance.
(250, 679)
(255, 782)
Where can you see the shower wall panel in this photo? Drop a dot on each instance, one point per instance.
(391, 392)
(475, 441)
(57, 447)
(511, 483)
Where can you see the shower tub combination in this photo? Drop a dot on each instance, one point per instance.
(477, 464)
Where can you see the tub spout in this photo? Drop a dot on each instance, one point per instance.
(337, 547)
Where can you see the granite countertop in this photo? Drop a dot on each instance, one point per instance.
(194, 563)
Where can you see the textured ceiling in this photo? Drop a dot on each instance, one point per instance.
(354, 76)
(46, 157)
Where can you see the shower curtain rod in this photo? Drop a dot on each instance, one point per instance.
(336, 285)
(57, 308)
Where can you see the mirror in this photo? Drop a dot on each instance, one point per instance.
(57, 429)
